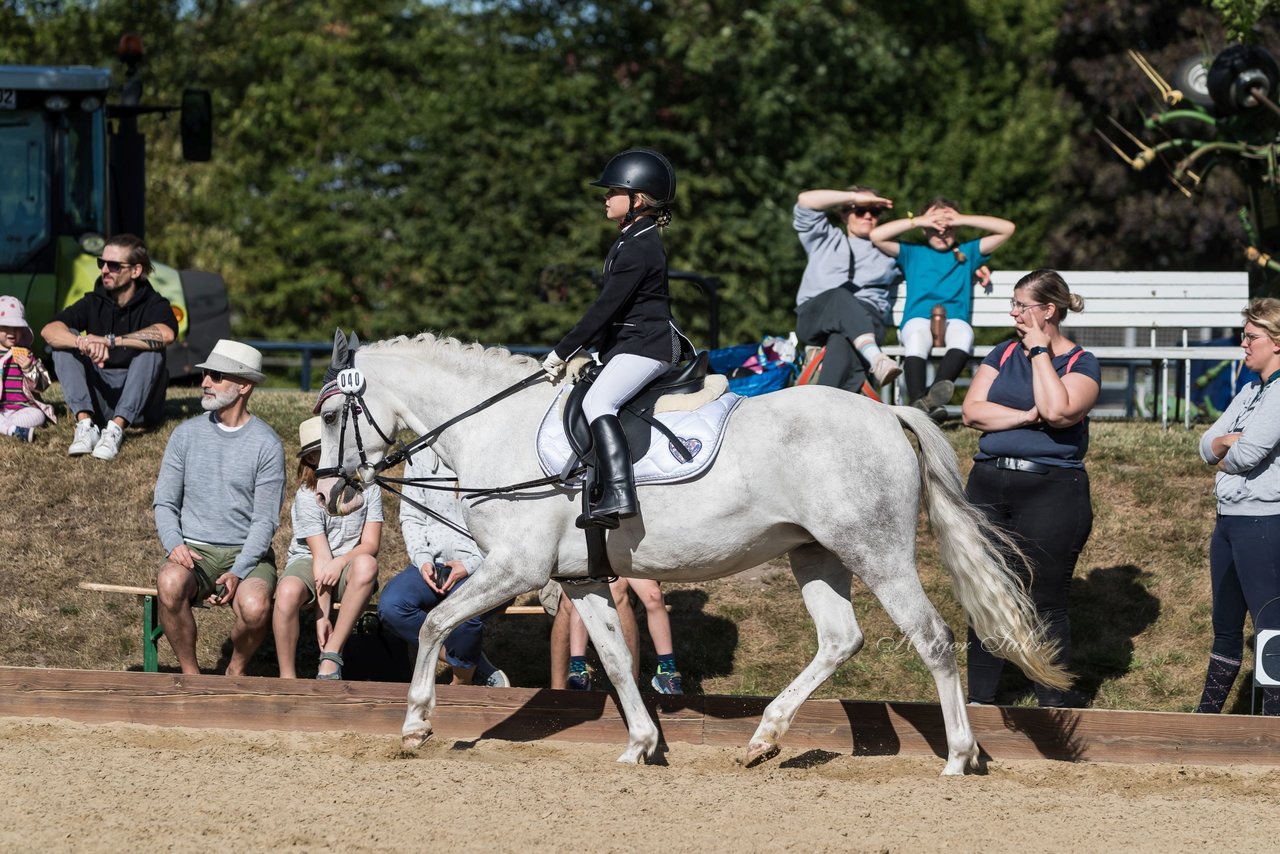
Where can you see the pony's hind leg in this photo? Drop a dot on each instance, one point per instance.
(824, 585)
(597, 610)
(899, 591)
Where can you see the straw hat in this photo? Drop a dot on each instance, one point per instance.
(232, 357)
(309, 435)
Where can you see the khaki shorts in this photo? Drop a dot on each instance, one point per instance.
(219, 559)
(300, 568)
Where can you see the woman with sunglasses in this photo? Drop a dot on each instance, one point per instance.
(940, 272)
(1031, 399)
(847, 291)
(630, 323)
(1244, 553)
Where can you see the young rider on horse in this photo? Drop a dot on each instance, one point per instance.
(630, 322)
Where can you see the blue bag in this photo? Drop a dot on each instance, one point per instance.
(750, 369)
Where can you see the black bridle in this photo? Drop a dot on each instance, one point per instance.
(351, 384)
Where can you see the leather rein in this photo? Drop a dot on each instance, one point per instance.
(352, 384)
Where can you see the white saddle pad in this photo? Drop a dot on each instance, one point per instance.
(700, 430)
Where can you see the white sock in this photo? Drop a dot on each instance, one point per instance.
(867, 348)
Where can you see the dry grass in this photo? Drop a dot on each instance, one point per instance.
(1140, 603)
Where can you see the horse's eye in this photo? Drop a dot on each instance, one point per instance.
(329, 417)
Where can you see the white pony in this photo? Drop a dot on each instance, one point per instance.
(826, 477)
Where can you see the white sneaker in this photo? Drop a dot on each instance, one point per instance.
(109, 442)
(885, 370)
(85, 439)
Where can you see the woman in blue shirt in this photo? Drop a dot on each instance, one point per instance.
(942, 272)
(1031, 399)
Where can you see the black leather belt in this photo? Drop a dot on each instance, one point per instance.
(1015, 464)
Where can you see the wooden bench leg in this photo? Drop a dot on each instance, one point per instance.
(152, 631)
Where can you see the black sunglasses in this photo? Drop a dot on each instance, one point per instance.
(217, 376)
(860, 210)
(112, 266)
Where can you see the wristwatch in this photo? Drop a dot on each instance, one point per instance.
(1036, 351)
(111, 340)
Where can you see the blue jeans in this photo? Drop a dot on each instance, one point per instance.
(129, 392)
(404, 605)
(1244, 572)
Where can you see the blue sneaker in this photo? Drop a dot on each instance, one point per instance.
(667, 683)
(23, 434)
(579, 680)
(489, 675)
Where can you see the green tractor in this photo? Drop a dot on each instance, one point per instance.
(72, 173)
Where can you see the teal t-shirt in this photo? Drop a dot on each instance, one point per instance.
(935, 278)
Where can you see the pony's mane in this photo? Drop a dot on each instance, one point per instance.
(455, 352)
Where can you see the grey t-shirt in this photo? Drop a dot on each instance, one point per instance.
(342, 532)
(828, 248)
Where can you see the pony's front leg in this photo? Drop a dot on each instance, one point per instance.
(422, 696)
(492, 584)
(596, 607)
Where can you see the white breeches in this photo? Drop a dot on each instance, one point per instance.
(917, 338)
(619, 381)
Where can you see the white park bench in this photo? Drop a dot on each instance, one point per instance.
(1149, 307)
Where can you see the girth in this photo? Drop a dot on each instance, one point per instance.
(637, 416)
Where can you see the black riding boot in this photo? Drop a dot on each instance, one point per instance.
(613, 470)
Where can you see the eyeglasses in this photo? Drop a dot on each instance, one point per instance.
(1018, 307)
(860, 210)
(112, 266)
(217, 376)
(1249, 337)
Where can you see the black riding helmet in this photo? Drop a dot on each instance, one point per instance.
(641, 170)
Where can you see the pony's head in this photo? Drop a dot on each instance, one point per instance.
(357, 423)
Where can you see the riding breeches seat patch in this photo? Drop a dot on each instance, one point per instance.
(700, 431)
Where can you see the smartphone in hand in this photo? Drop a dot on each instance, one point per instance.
(443, 571)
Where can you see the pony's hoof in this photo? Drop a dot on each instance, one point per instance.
(632, 756)
(759, 752)
(414, 740)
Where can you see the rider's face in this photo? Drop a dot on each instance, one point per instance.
(616, 204)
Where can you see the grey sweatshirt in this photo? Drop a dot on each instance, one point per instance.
(426, 539)
(221, 487)
(828, 249)
(1249, 484)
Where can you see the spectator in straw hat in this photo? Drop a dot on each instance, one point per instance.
(217, 505)
(331, 559)
(108, 350)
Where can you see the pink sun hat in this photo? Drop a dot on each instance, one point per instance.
(12, 313)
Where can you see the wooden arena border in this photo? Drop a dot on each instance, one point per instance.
(525, 714)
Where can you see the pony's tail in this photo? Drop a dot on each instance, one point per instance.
(978, 555)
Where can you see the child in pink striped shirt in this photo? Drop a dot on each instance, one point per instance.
(22, 375)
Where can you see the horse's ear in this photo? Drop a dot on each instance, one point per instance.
(351, 349)
(340, 358)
